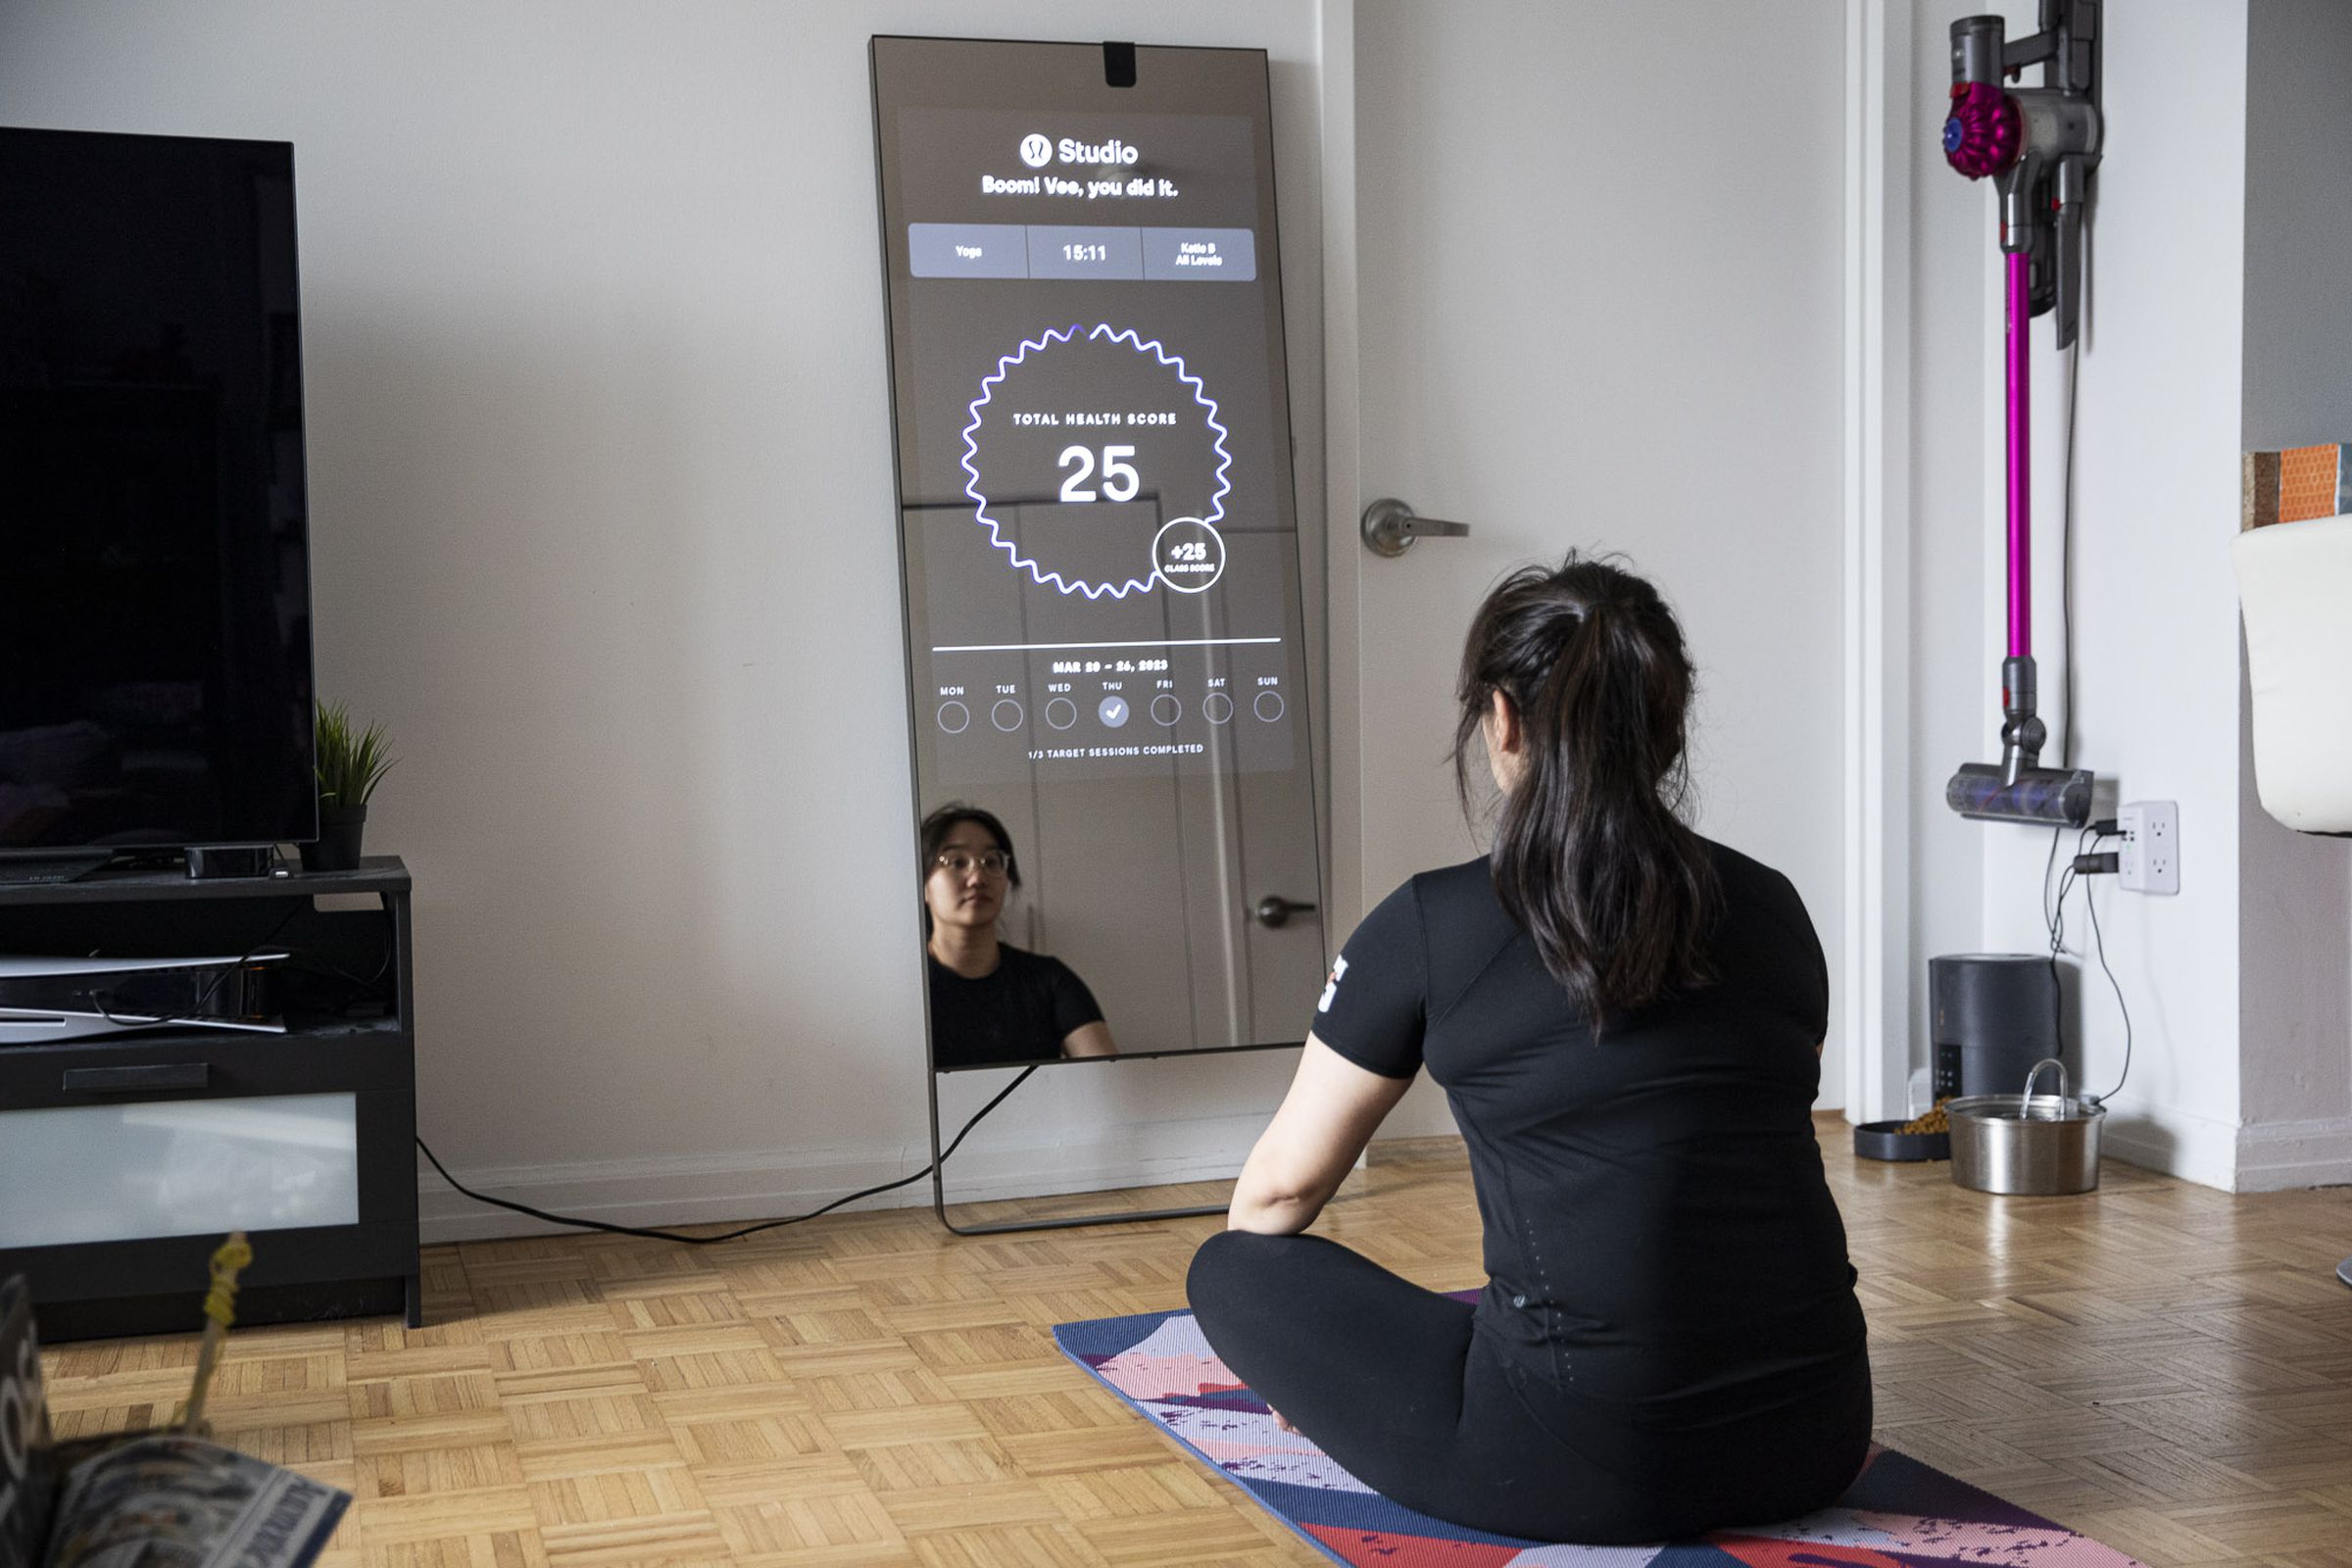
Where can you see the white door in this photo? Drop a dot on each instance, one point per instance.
(1599, 266)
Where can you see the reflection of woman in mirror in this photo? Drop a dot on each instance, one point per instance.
(1626, 1019)
(992, 1002)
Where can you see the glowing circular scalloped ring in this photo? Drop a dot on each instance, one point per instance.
(1209, 518)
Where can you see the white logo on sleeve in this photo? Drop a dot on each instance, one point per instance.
(1331, 986)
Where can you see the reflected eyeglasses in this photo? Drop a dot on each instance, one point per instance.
(959, 862)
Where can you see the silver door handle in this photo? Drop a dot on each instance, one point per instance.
(1390, 527)
(1274, 910)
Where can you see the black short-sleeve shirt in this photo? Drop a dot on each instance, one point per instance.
(1659, 1234)
(1021, 1010)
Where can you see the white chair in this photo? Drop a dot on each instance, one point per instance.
(2294, 583)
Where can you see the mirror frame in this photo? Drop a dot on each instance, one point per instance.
(1308, 759)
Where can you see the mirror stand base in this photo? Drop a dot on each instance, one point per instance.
(939, 1183)
(939, 1207)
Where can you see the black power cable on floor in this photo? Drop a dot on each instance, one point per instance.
(606, 1225)
(734, 1235)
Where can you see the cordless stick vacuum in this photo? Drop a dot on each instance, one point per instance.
(2038, 146)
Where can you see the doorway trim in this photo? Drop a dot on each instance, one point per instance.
(1876, 601)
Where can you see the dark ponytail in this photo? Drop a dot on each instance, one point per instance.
(1590, 856)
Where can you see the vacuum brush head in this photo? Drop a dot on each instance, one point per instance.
(2041, 797)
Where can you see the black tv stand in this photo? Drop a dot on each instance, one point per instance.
(124, 1158)
(60, 867)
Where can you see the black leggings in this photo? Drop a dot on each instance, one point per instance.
(1390, 1381)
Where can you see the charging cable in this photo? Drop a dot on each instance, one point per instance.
(576, 1221)
(734, 1235)
(2092, 863)
(2099, 940)
(103, 1001)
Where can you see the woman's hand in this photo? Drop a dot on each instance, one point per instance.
(1332, 1110)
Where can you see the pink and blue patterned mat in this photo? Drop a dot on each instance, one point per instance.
(1900, 1514)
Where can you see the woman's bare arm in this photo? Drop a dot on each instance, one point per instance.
(1089, 1040)
(1328, 1115)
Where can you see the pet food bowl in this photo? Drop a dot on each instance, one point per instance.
(1887, 1140)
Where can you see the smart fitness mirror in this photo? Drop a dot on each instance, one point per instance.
(1101, 563)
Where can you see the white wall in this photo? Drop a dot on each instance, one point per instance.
(601, 501)
(2216, 322)
(2295, 937)
(2157, 666)
(602, 529)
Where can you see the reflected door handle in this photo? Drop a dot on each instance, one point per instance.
(1390, 527)
(1274, 910)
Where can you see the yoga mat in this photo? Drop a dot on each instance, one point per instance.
(1900, 1514)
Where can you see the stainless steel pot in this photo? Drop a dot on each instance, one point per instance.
(2027, 1143)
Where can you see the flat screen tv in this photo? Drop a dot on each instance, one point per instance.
(154, 635)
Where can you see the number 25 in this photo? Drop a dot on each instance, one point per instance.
(1120, 481)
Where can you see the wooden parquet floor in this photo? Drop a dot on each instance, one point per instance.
(2163, 1367)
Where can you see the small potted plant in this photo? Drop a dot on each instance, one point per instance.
(349, 765)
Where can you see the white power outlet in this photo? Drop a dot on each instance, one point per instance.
(2149, 859)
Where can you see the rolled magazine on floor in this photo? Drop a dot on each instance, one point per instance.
(150, 1499)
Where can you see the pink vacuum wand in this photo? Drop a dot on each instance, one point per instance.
(2039, 146)
(2021, 732)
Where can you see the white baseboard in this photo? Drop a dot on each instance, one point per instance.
(2272, 1157)
(2268, 1158)
(769, 1184)
(2195, 1149)
(2276, 1157)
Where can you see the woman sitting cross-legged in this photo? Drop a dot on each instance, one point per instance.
(1627, 1020)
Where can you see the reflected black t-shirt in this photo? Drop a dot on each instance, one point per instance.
(1021, 1010)
(1660, 1237)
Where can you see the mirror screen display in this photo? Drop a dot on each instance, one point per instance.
(1098, 524)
